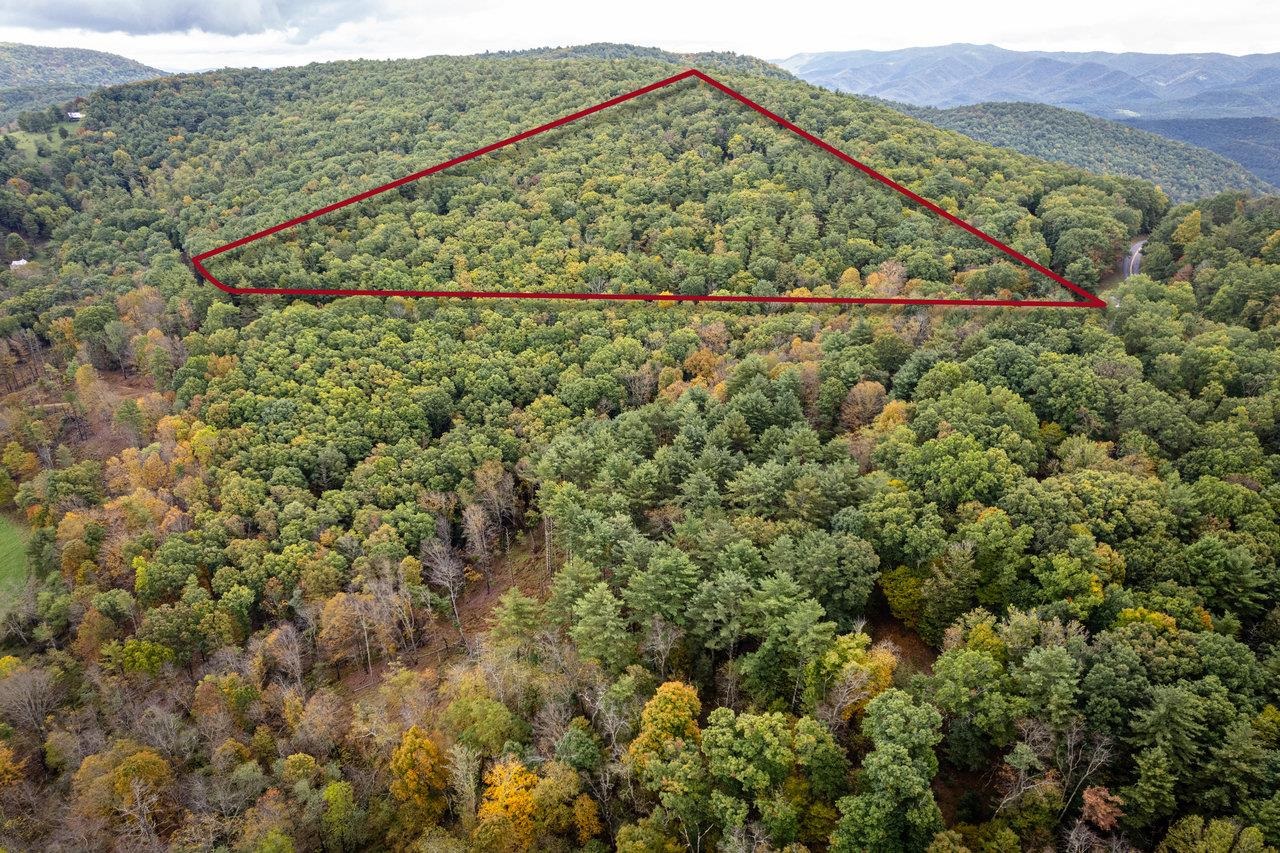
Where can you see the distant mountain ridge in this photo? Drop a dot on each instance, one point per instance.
(725, 60)
(33, 77)
(1109, 85)
(1185, 171)
(1252, 142)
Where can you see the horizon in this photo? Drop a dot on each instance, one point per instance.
(186, 36)
(775, 60)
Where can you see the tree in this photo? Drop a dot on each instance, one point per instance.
(1188, 230)
(506, 815)
(971, 687)
(343, 819)
(15, 247)
(418, 781)
(666, 755)
(599, 631)
(895, 809)
(464, 776)
(1193, 834)
(1152, 796)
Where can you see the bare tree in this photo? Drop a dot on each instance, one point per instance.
(551, 722)
(659, 641)
(849, 689)
(1081, 755)
(394, 612)
(28, 697)
(22, 614)
(464, 776)
(284, 648)
(446, 571)
(166, 732)
(1044, 757)
(137, 830)
(478, 530)
(641, 384)
(496, 491)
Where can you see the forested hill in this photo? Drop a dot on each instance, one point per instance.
(711, 61)
(33, 77)
(682, 190)
(1252, 142)
(408, 575)
(1183, 171)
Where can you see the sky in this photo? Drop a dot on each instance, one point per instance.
(187, 35)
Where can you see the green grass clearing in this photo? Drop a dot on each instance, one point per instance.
(13, 561)
(52, 140)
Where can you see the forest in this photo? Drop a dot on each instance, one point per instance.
(1253, 141)
(398, 574)
(34, 78)
(1184, 171)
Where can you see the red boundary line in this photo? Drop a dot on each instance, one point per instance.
(1090, 301)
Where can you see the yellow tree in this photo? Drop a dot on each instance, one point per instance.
(418, 780)
(12, 768)
(669, 719)
(506, 815)
(1188, 230)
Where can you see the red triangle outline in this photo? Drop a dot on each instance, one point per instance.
(1089, 301)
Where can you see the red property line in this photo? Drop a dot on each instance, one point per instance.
(1090, 301)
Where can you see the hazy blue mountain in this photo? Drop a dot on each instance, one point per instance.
(34, 77)
(1110, 85)
(1184, 171)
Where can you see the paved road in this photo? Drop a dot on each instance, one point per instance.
(1133, 261)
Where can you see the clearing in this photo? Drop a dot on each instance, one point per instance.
(13, 561)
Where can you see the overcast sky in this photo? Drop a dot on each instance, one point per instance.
(179, 35)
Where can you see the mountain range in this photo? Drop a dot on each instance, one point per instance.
(1110, 85)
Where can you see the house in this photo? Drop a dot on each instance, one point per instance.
(75, 116)
(20, 262)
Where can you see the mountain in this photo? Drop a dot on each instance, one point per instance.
(1110, 85)
(1252, 142)
(34, 77)
(1184, 171)
(764, 186)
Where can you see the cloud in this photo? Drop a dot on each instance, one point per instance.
(223, 17)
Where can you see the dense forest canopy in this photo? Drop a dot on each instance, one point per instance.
(1253, 142)
(681, 190)
(32, 78)
(383, 573)
(1184, 172)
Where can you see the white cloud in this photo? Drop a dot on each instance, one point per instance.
(215, 33)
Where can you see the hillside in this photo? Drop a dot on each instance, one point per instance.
(1109, 85)
(764, 187)
(1184, 171)
(1252, 142)
(34, 77)
(453, 574)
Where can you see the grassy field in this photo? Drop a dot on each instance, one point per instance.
(51, 140)
(13, 560)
